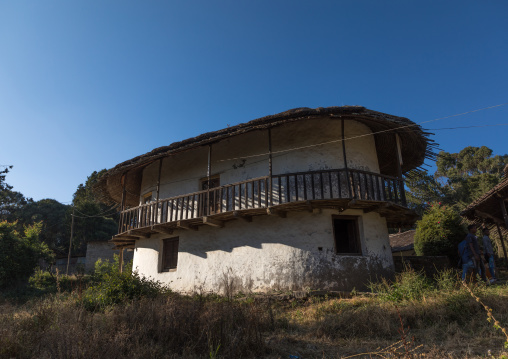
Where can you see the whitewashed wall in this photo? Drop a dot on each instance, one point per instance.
(233, 158)
(270, 253)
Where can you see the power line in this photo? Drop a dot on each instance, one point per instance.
(364, 135)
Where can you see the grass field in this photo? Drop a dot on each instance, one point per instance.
(414, 317)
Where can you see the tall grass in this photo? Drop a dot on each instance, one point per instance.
(444, 319)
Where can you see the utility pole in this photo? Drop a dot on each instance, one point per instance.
(70, 242)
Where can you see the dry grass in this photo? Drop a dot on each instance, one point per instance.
(444, 324)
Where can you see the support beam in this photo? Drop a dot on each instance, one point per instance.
(376, 208)
(270, 202)
(120, 261)
(245, 217)
(160, 229)
(274, 212)
(156, 212)
(351, 191)
(184, 225)
(399, 170)
(502, 244)
(352, 203)
(484, 215)
(503, 210)
(139, 235)
(213, 222)
(124, 236)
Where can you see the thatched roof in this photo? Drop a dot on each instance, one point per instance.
(487, 209)
(416, 146)
(402, 241)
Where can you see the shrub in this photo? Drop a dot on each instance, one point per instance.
(109, 287)
(408, 285)
(20, 254)
(439, 232)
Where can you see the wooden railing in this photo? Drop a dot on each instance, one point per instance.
(263, 193)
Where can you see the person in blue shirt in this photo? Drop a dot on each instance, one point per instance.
(472, 244)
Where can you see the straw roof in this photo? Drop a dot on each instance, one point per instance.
(415, 145)
(487, 208)
(402, 241)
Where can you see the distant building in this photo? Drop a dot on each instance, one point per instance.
(301, 199)
(403, 244)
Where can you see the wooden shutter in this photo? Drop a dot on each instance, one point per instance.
(170, 253)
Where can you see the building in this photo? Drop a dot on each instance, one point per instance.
(490, 211)
(297, 200)
(403, 244)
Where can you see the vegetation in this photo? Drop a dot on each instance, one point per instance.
(439, 232)
(413, 317)
(20, 254)
(460, 178)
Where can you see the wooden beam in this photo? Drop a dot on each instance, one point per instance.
(502, 244)
(160, 229)
(377, 207)
(352, 203)
(139, 235)
(487, 215)
(184, 225)
(245, 217)
(124, 236)
(274, 212)
(213, 222)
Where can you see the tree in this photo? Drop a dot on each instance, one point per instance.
(55, 230)
(460, 178)
(466, 175)
(20, 254)
(439, 232)
(10, 201)
(94, 220)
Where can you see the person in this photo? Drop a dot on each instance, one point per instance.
(466, 258)
(489, 253)
(472, 243)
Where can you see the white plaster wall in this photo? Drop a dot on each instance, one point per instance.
(270, 253)
(245, 156)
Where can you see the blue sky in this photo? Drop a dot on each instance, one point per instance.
(85, 85)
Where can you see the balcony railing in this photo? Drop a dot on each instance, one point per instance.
(263, 193)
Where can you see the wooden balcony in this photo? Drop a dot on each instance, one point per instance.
(338, 189)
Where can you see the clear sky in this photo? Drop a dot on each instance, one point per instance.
(85, 85)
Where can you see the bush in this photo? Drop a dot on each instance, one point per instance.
(109, 287)
(439, 232)
(408, 285)
(20, 254)
(44, 282)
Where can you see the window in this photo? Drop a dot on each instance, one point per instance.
(169, 254)
(346, 234)
(147, 198)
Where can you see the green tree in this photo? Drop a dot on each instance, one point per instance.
(10, 201)
(94, 220)
(439, 232)
(460, 178)
(20, 254)
(466, 175)
(55, 217)
(423, 190)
